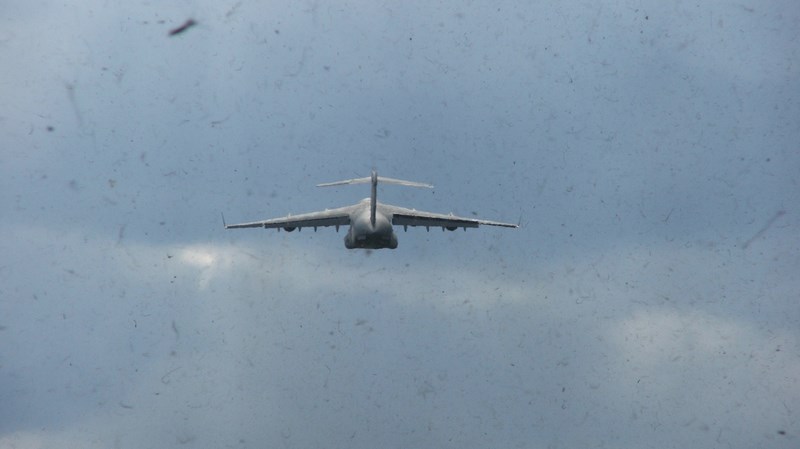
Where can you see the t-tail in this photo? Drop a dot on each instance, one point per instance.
(374, 179)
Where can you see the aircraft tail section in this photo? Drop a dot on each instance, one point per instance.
(374, 179)
(382, 179)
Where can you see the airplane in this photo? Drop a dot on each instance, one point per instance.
(371, 222)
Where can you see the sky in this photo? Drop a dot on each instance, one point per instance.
(650, 151)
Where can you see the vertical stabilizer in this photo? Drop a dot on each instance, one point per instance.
(373, 198)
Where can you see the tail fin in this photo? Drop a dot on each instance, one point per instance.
(374, 179)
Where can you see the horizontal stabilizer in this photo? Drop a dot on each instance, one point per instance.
(381, 179)
(345, 182)
(400, 182)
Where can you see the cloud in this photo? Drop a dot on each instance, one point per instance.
(647, 299)
(184, 339)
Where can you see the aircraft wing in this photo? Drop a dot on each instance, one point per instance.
(402, 216)
(330, 217)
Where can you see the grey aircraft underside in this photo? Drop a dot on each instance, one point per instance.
(371, 223)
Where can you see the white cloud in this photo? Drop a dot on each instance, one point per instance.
(196, 328)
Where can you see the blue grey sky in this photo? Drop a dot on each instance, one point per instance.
(650, 150)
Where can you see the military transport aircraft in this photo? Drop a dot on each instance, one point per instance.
(370, 221)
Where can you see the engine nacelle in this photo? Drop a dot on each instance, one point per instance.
(289, 228)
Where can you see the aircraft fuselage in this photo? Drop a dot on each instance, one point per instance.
(363, 233)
